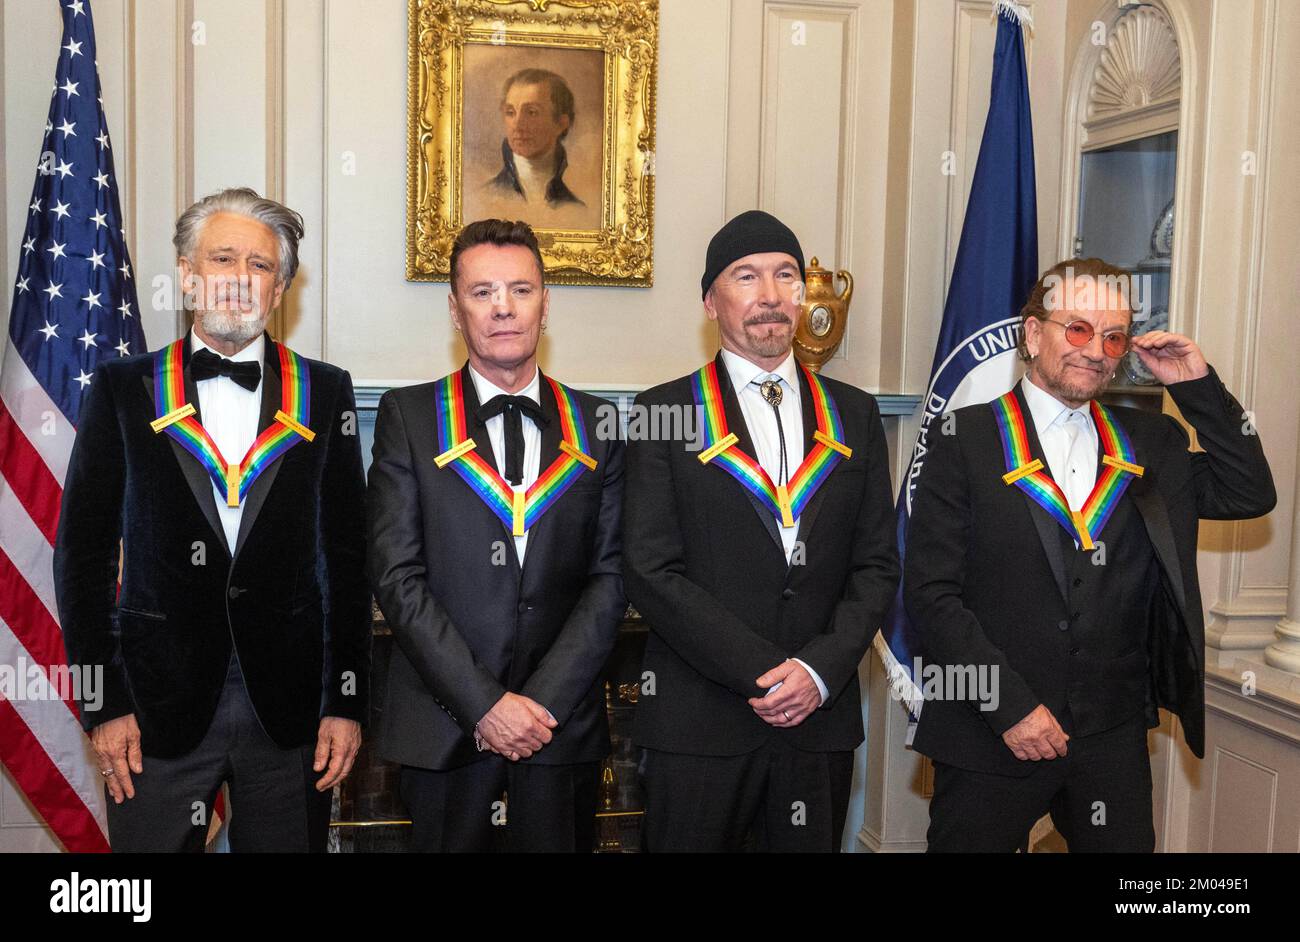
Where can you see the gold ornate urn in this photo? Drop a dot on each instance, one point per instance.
(824, 314)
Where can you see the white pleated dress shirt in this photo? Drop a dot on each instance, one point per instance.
(1069, 440)
(487, 390)
(497, 436)
(230, 414)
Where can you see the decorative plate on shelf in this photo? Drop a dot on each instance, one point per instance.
(1138, 374)
(1162, 236)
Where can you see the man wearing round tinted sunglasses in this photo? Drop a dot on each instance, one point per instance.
(1076, 329)
(1052, 544)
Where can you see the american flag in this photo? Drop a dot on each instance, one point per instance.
(74, 304)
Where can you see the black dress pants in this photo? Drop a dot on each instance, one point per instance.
(274, 805)
(774, 799)
(1098, 794)
(494, 805)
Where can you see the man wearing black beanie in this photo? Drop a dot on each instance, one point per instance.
(761, 554)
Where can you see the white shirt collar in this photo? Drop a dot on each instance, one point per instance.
(542, 165)
(743, 372)
(254, 351)
(487, 390)
(1045, 408)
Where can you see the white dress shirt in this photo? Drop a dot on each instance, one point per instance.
(230, 414)
(532, 462)
(497, 436)
(1069, 440)
(746, 379)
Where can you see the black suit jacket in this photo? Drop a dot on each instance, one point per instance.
(291, 599)
(705, 566)
(469, 629)
(984, 576)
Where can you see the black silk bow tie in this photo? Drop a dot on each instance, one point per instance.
(513, 409)
(206, 365)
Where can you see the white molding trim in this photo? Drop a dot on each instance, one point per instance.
(1138, 67)
(184, 110)
(873, 843)
(1247, 362)
(327, 163)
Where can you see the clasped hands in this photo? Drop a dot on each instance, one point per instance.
(791, 698)
(515, 727)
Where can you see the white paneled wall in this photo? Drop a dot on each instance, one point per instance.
(837, 115)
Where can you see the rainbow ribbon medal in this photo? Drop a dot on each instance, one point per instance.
(176, 417)
(785, 501)
(1030, 476)
(518, 510)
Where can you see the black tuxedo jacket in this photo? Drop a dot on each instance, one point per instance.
(705, 566)
(291, 599)
(469, 622)
(985, 571)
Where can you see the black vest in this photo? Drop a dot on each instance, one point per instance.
(1109, 591)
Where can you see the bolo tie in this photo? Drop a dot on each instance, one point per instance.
(771, 390)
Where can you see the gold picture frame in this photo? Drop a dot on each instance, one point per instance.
(594, 219)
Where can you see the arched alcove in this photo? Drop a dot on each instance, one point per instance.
(1127, 164)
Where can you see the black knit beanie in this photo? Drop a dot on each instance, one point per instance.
(748, 234)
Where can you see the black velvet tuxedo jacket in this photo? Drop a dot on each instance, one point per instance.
(470, 623)
(985, 572)
(704, 564)
(291, 599)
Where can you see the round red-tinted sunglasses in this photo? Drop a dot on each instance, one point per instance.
(1114, 343)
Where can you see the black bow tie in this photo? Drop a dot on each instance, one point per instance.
(514, 409)
(206, 365)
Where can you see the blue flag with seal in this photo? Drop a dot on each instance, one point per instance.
(997, 264)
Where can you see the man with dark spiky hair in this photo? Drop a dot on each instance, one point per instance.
(495, 519)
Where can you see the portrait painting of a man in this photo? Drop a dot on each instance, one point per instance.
(537, 110)
(533, 135)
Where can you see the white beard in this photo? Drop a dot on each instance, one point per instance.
(232, 326)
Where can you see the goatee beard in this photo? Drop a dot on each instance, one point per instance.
(770, 338)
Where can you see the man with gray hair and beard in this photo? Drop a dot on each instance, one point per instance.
(228, 469)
